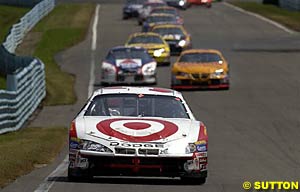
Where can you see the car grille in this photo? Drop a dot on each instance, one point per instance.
(148, 151)
(125, 151)
(200, 75)
(132, 151)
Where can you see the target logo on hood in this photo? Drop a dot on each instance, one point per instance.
(137, 130)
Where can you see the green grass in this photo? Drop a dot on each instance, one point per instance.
(66, 25)
(9, 15)
(24, 150)
(288, 18)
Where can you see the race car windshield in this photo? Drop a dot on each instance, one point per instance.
(146, 39)
(137, 106)
(158, 19)
(167, 11)
(168, 31)
(129, 54)
(200, 58)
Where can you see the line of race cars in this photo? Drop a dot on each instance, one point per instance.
(147, 131)
(163, 34)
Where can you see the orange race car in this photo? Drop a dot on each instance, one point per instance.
(207, 3)
(199, 68)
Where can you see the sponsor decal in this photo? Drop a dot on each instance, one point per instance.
(75, 139)
(201, 154)
(203, 160)
(74, 145)
(137, 130)
(139, 145)
(129, 63)
(200, 142)
(201, 147)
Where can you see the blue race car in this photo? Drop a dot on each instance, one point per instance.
(128, 65)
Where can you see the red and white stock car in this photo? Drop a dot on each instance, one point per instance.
(137, 131)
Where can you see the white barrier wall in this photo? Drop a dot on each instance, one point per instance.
(26, 87)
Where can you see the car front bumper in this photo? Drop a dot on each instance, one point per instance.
(137, 166)
(185, 83)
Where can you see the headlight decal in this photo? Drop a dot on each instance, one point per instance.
(93, 146)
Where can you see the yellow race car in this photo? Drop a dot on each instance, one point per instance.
(175, 35)
(199, 68)
(157, 47)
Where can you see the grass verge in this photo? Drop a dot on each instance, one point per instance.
(288, 18)
(9, 15)
(23, 150)
(64, 27)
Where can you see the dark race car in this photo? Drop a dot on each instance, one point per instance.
(159, 19)
(168, 10)
(128, 65)
(176, 36)
(181, 4)
(132, 7)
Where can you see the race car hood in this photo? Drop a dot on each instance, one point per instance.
(149, 45)
(132, 129)
(199, 68)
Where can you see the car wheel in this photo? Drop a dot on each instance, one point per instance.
(125, 17)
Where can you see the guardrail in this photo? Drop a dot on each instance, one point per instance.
(27, 89)
(290, 4)
(19, 30)
(25, 76)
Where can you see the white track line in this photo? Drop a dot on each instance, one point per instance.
(93, 49)
(262, 18)
(47, 184)
(50, 179)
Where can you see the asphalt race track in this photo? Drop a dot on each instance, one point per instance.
(254, 128)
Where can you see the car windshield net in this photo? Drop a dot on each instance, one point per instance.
(168, 31)
(200, 58)
(137, 106)
(157, 19)
(166, 11)
(146, 39)
(130, 54)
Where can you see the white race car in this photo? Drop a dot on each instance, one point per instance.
(137, 131)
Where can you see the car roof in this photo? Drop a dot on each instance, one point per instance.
(138, 90)
(201, 51)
